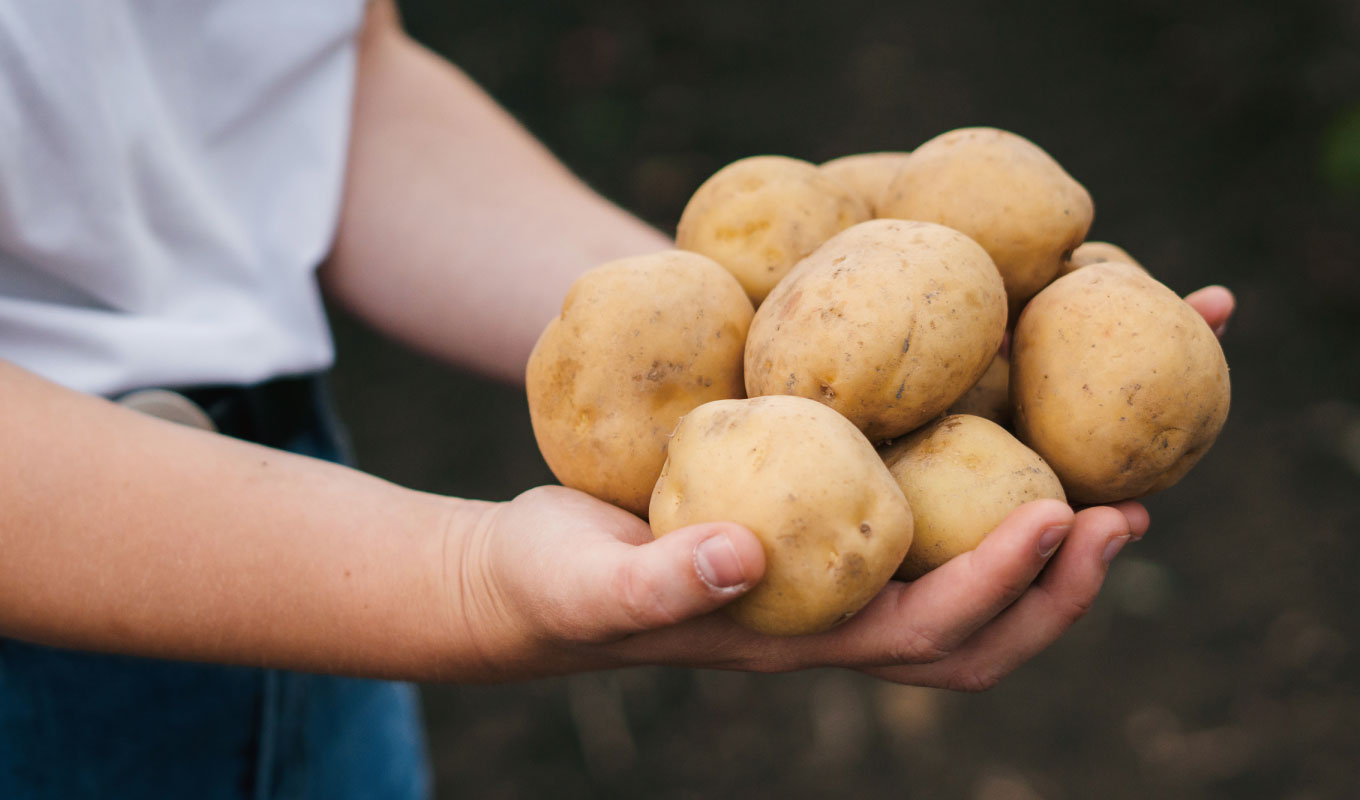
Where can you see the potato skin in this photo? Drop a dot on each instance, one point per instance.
(640, 341)
(1003, 191)
(1088, 253)
(888, 322)
(990, 397)
(760, 215)
(962, 475)
(833, 521)
(1116, 382)
(868, 175)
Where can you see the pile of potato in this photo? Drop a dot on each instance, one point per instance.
(822, 361)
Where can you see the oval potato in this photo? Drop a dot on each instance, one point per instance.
(888, 322)
(962, 475)
(1003, 191)
(1088, 253)
(868, 175)
(1116, 382)
(834, 524)
(640, 341)
(990, 397)
(760, 215)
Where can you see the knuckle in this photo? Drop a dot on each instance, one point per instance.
(920, 646)
(640, 598)
(974, 680)
(1071, 609)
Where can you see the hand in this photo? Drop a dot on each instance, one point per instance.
(556, 581)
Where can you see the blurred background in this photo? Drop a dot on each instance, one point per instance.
(1221, 142)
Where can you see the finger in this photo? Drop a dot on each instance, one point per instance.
(1137, 515)
(927, 619)
(1215, 304)
(626, 589)
(1061, 596)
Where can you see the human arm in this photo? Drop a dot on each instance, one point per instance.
(459, 233)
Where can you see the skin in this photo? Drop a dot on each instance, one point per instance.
(129, 534)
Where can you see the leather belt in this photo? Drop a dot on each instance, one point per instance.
(269, 413)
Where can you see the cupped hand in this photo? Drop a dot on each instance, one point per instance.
(556, 581)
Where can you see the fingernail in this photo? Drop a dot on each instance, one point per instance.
(1221, 329)
(1051, 538)
(1113, 547)
(718, 563)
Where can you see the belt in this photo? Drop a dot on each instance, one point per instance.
(269, 413)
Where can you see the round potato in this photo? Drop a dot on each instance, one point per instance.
(1003, 191)
(1088, 253)
(990, 397)
(760, 215)
(888, 323)
(834, 524)
(1116, 382)
(868, 175)
(962, 475)
(639, 342)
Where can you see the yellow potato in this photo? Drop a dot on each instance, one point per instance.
(1088, 253)
(1116, 382)
(868, 175)
(833, 522)
(888, 323)
(760, 215)
(990, 397)
(1003, 191)
(962, 475)
(639, 342)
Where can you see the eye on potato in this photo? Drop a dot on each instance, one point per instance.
(868, 175)
(962, 475)
(888, 323)
(760, 215)
(1003, 191)
(1116, 382)
(639, 342)
(832, 519)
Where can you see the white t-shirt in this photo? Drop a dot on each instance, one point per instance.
(170, 178)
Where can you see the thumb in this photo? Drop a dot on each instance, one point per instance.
(685, 573)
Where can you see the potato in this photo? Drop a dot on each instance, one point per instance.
(1088, 253)
(868, 175)
(760, 215)
(832, 520)
(962, 475)
(990, 397)
(888, 323)
(1116, 382)
(639, 342)
(1004, 192)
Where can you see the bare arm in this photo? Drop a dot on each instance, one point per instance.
(460, 233)
(125, 533)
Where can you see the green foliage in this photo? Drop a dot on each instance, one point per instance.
(1341, 152)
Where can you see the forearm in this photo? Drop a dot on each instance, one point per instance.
(459, 233)
(123, 533)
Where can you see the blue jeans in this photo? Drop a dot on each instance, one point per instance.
(77, 725)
